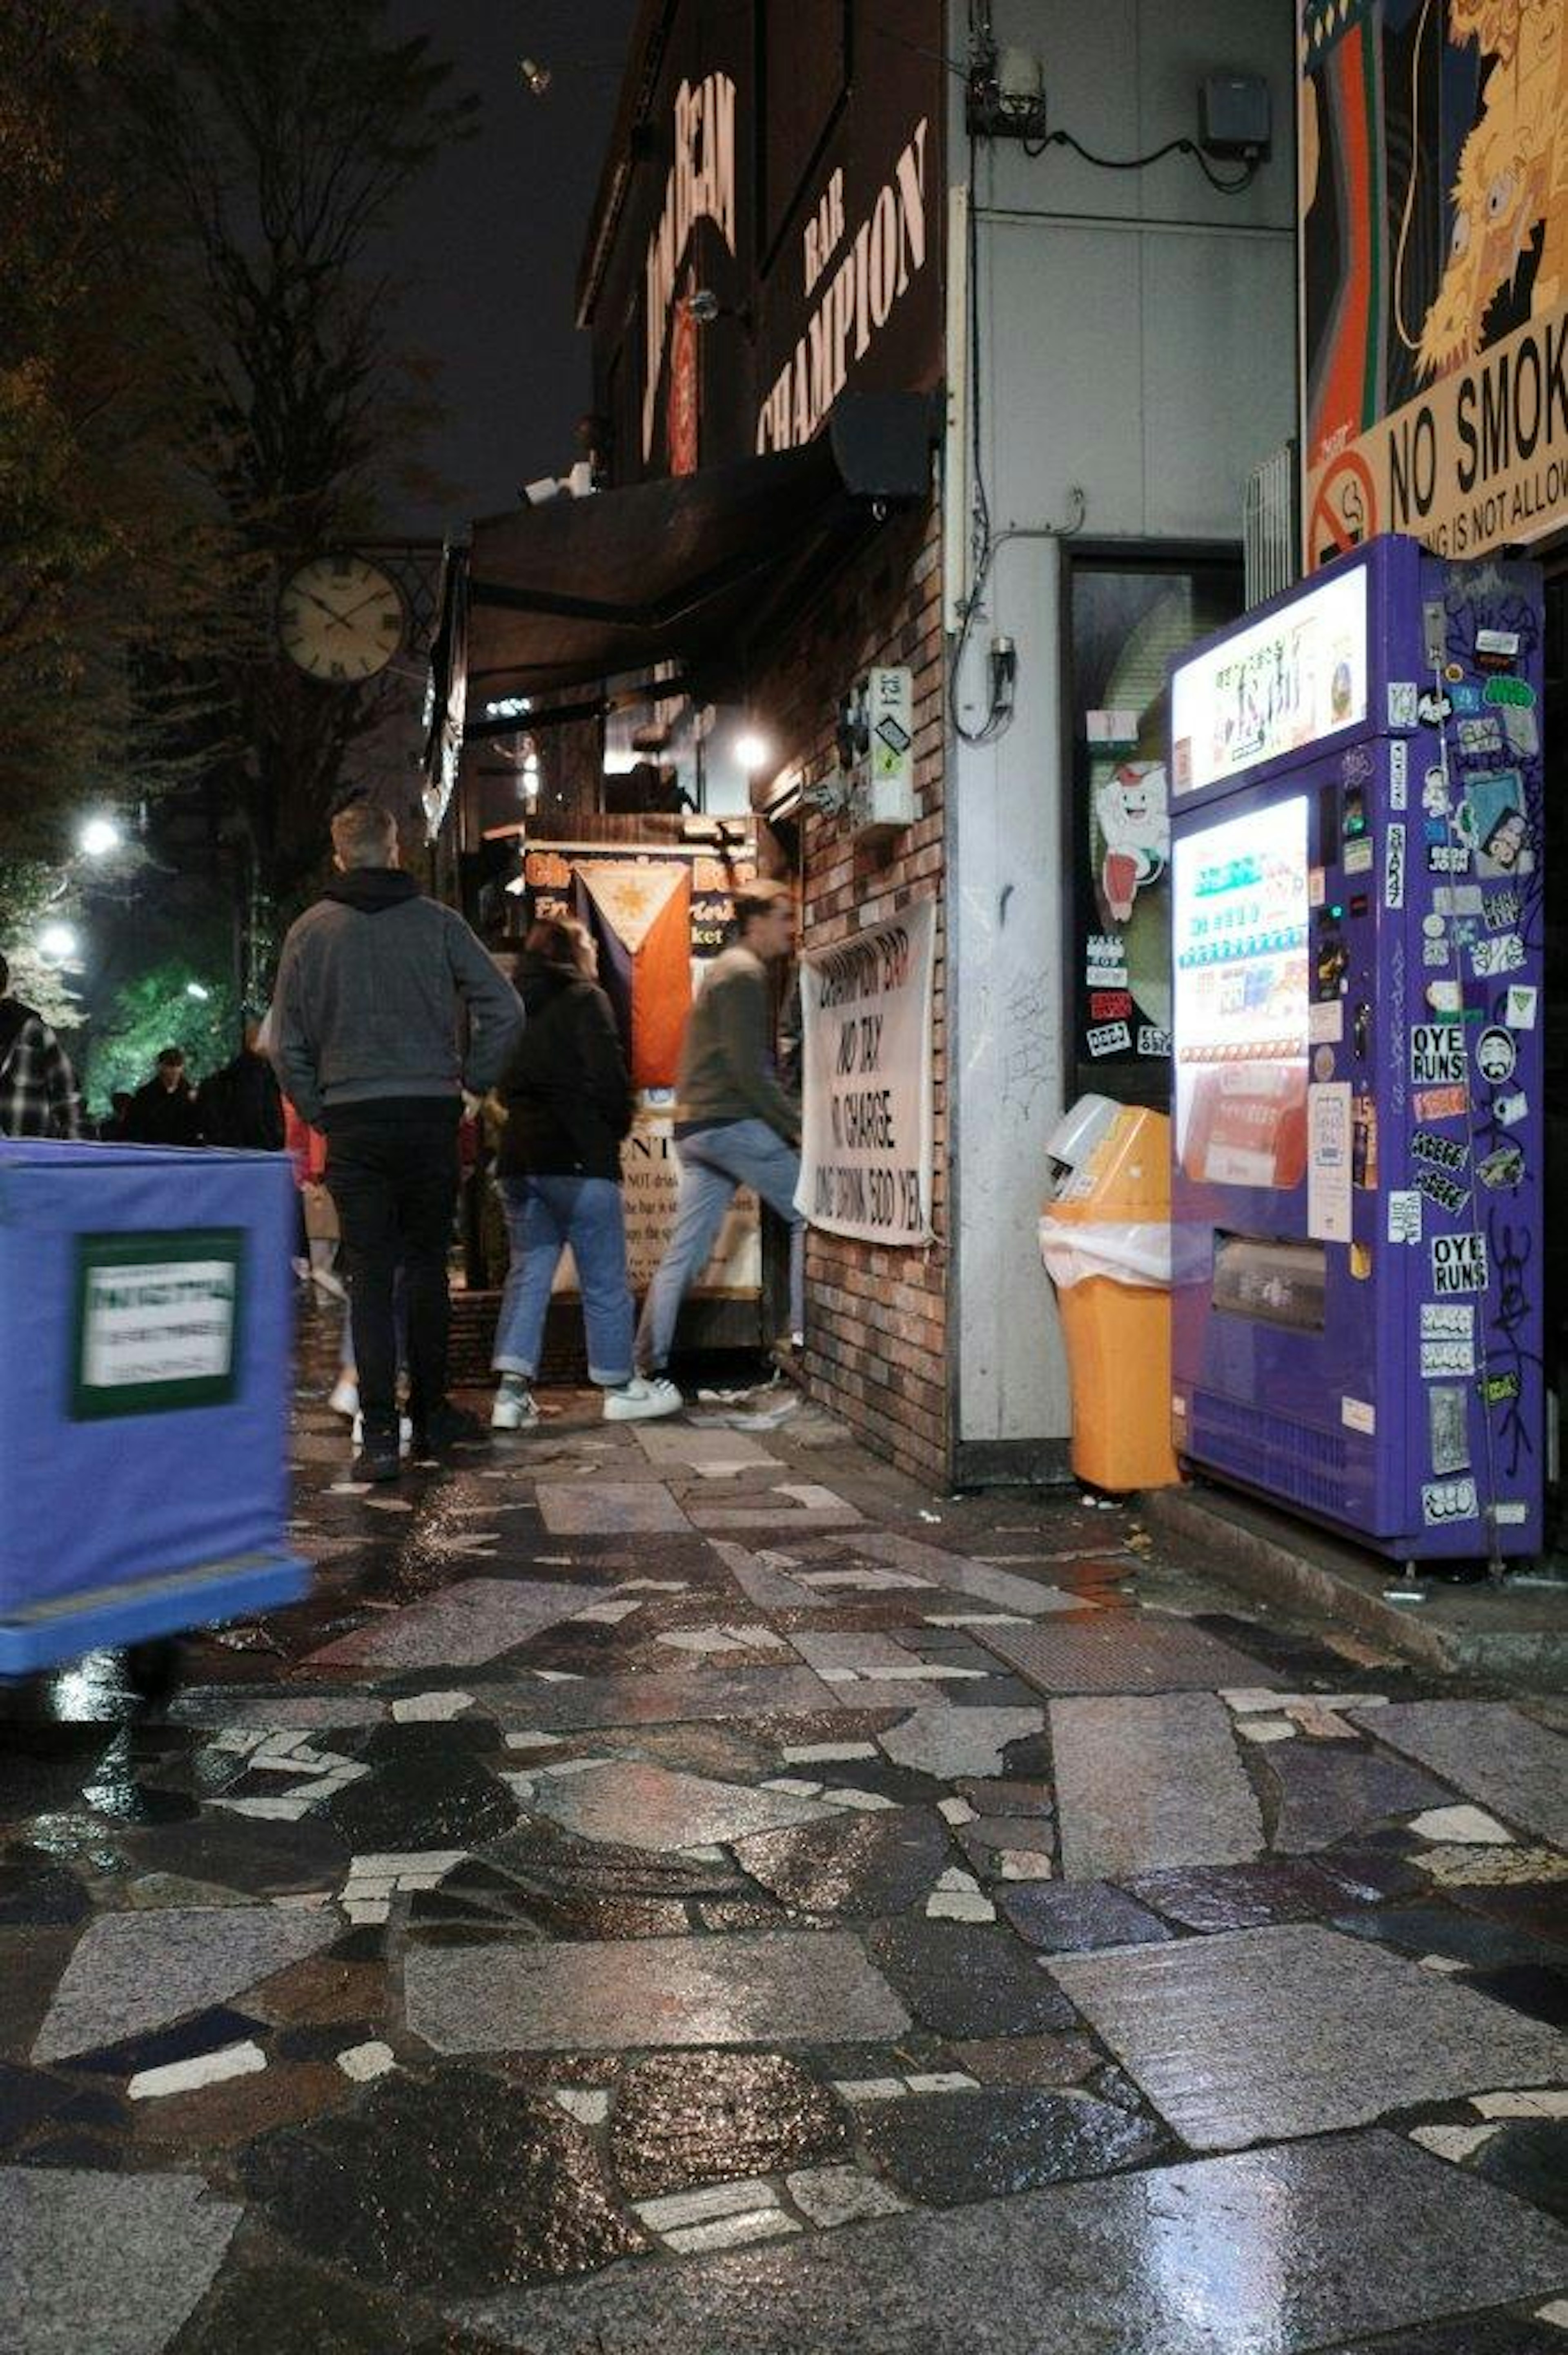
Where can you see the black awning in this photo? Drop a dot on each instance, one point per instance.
(691, 569)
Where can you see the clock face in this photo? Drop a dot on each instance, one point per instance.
(341, 618)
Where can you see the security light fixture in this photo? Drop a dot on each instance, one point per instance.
(536, 77)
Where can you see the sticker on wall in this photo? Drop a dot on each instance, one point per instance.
(1490, 959)
(1442, 1189)
(1357, 1414)
(1520, 1011)
(1501, 1389)
(1441, 1359)
(1447, 858)
(1134, 821)
(1398, 773)
(1522, 731)
(1448, 1428)
(1316, 889)
(1435, 793)
(1509, 694)
(1496, 1055)
(1109, 1039)
(1405, 1217)
(1440, 1104)
(1466, 697)
(1326, 1021)
(1153, 1040)
(1433, 709)
(1510, 1513)
(1329, 1163)
(1358, 857)
(1459, 1263)
(1443, 1152)
(1501, 1168)
(1511, 1109)
(1106, 958)
(1443, 1501)
(1393, 868)
(1447, 1321)
(1480, 737)
(1436, 1055)
(1110, 1005)
(1404, 702)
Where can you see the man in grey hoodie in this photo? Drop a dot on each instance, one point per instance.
(363, 1035)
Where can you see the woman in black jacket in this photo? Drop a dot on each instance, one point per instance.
(568, 1105)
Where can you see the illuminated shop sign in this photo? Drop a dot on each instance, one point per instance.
(1293, 678)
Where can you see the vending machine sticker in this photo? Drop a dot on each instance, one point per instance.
(1490, 959)
(1518, 725)
(1447, 858)
(1152, 1041)
(1520, 1012)
(1511, 1109)
(1404, 701)
(1109, 1039)
(1502, 1167)
(1441, 1152)
(1444, 996)
(1440, 1104)
(1105, 954)
(1443, 1191)
(1435, 792)
(1448, 1500)
(1436, 1055)
(1497, 646)
(1440, 1322)
(1496, 1055)
(1398, 773)
(1501, 1390)
(1447, 1427)
(1503, 910)
(1439, 1358)
(1363, 1143)
(1356, 1414)
(1393, 869)
(1326, 1021)
(1478, 737)
(1458, 899)
(1358, 857)
(1110, 1005)
(1511, 1513)
(1432, 707)
(1403, 1218)
(1459, 1263)
(1329, 1163)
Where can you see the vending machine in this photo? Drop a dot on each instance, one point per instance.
(1356, 802)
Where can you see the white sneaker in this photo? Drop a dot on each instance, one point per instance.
(513, 1409)
(405, 1429)
(642, 1397)
(345, 1399)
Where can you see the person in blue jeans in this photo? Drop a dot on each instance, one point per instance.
(568, 1105)
(734, 1126)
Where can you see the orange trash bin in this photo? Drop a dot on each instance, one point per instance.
(1104, 1237)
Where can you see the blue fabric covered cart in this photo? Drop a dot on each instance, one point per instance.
(145, 1331)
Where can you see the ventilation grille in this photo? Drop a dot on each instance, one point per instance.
(1307, 1467)
(1271, 528)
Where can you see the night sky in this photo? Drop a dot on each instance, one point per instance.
(488, 249)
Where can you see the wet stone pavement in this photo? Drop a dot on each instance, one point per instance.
(688, 1889)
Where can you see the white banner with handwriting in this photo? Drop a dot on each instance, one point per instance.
(867, 1146)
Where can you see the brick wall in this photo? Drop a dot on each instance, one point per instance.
(876, 1319)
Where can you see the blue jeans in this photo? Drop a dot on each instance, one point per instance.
(714, 1163)
(542, 1216)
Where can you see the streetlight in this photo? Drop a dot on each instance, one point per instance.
(195, 989)
(56, 943)
(751, 750)
(99, 837)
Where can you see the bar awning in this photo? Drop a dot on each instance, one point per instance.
(695, 570)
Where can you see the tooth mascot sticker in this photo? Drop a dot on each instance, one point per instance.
(1134, 822)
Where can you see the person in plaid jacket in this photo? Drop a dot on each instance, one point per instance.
(38, 1095)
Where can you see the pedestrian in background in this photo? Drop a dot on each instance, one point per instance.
(734, 1123)
(114, 1129)
(569, 1105)
(363, 1038)
(164, 1108)
(39, 1094)
(240, 1106)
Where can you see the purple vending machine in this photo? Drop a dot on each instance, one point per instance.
(1356, 801)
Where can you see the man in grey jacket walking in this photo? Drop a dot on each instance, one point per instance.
(363, 1039)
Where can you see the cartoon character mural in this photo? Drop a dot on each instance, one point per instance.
(1132, 815)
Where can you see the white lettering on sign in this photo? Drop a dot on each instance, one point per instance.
(866, 1146)
(888, 252)
(1436, 1055)
(1393, 869)
(1459, 1263)
(700, 187)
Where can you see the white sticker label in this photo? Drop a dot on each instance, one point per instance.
(1325, 1023)
(1459, 1263)
(1436, 1055)
(1448, 1500)
(1511, 1513)
(1316, 889)
(1329, 1163)
(1439, 1323)
(1357, 1415)
(1153, 1040)
(1398, 773)
(1522, 1004)
(1458, 899)
(1511, 1109)
(1404, 1218)
(1111, 1039)
(1441, 1357)
(1503, 642)
(1444, 996)
(1358, 857)
(1404, 702)
(1489, 958)
(1393, 869)
(1496, 1055)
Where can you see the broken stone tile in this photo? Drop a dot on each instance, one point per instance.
(1261, 2034)
(459, 2183)
(1528, 2156)
(830, 2196)
(1262, 1730)
(634, 1801)
(1326, 1794)
(1497, 1870)
(764, 1578)
(460, 1627)
(1069, 1917)
(1465, 1826)
(131, 1972)
(964, 1981)
(952, 2147)
(1006, 1795)
(715, 1639)
(1492, 1752)
(945, 1741)
(1046, 2062)
(1538, 2102)
(589, 2106)
(1242, 1896)
(430, 1707)
(771, 1988)
(572, 1508)
(364, 2063)
(1117, 1653)
(959, 1906)
(705, 2117)
(957, 1575)
(861, 1868)
(679, 1697)
(825, 1753)
(678, 1442)
(731, 2231)
(1369, 2233)
(1144, 1782)
(1452, 2143)
(111, 2262)
(203, 2069)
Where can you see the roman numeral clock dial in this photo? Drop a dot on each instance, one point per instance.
(341, 618)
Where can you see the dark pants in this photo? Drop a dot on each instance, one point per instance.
(392, 1169)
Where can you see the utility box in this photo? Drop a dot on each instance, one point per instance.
(878, 736)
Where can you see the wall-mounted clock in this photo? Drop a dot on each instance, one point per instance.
(341, 618)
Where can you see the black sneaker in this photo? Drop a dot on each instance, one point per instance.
(449, 1426)
(377, 1458)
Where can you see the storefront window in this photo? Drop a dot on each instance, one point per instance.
(1129, 617)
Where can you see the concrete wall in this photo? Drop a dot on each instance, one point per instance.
(1137, 342)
